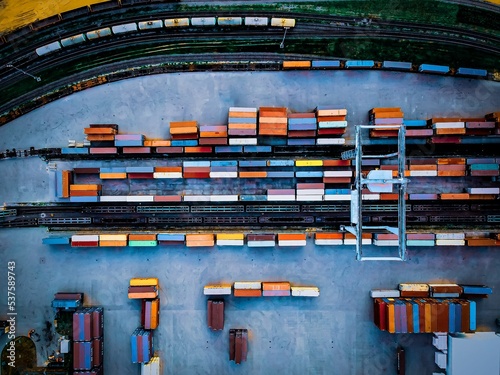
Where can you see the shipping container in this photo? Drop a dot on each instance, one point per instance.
(99, 33)
(72, 40)
(177, 22)
(256, 21)
(153, 24)
(124, 28)
(429, 68)
(203, 21)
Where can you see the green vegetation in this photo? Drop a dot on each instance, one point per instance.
(25, 356)
(417, 11)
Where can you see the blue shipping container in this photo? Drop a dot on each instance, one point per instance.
(228, 149)
(472, 72)
(257, 149)
(76, 151)
(429, 68)
(359, 64)
(401, 65)
(253, 163)
(55, 241)
(301, 141)
(325, 64)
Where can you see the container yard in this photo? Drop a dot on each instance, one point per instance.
(197, 222)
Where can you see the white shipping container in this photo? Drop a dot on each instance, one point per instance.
(140, 198)
(337, 173)
(423, 173)
(224, 198)
(483, 190)
(352, 241)
(48, 48)
(255, 285)
(370, 197)
(332, 124)
(223, 174)
(229, 21)
(386, 242)
(113, 237)
(450, 236)
(261, 243)
(72, 40)
(167, 175)
(99, 33)
(448, 125)
(124, 28)
(322, 242)
(196, 198)
(113, 198)
(203, 21)
(85, 238)
(242, 109)
(242, 141)
(330, 141)
(281, 197)
(450, 242)
(305, 198)
(337, 197)
(385, 293)
(230, 242)
(217, 290)
(285, 243)
(305, 291)
(256, 21)
(310, 191)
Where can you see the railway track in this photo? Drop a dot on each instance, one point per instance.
(307, 215)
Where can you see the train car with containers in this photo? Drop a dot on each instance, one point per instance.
(436, 69)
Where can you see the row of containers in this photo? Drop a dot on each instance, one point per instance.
(332, 174)
(424, 315)
(389, 65)
(88, 331)
(254, 130)
(427, 307)
(146, 290)
(436, 130)
(474, 238)
(246, 126)
(260, 289)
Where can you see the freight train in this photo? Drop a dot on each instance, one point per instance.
(171, 23)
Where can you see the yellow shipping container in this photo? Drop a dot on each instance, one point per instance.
(309, 163)
(144, 281)
(230, 236)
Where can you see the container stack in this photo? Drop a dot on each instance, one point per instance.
(417, 129)
(332, 125)
(67, 301)
(242, 126)
(247, 289)
(153, 367)
(273, 121)
(63, 180)
(494, 117)
(84, 193)
(142, 345)
(451, 167)
(329, 238)
(101, 134)
(480, 127)
(424, 315)
(88, 340)
(215, 314)
(424, 167)
(483, 167)
(196, 169)
(447, 130)
(276, 289)
(445, 290)
(261, 240)
(238, 343)
(302, 129)
(310, 191)
(129, 140)
(184, 133)
(337, 172)
(150, 313)
(113, 240)
(385, 239)
(420, 239)
(85, 240)
(142, 338)
(217, 290)
(383, 117)
(143, 288)
(142, 240)
(213, 135)
(291, 239)
(224, 169)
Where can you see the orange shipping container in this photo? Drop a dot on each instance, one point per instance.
(95, 131)
(142, 237)
(247, 293)
(243, 114)
(291, 236)
(253, 174)
(66, 181)
(168, 169)
(450, 131)
(447, 161)
(329, 236)
(182, 130)
(183, 124)
(84, 187)
(101, 137)
(452, 196)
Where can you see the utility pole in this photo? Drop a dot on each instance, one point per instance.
(38, 79)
